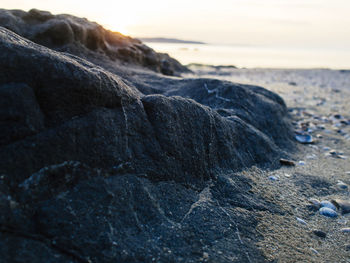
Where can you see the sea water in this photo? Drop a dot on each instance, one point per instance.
(256, 56)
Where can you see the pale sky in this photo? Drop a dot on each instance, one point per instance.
(297, 23)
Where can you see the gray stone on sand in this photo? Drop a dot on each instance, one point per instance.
(343, 205)
(328, 204)
(325, 211)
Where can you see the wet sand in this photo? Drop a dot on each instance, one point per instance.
(318, 100)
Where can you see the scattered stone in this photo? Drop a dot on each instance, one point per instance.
(325, 211)
(292, 83)
(333, 153)
(311, 157)
(328, 204)
(314, 250)
(315, 203)
(319, 233)
(287, 162)
(287, 175)
(320, 136)
(343, 205)
(345, 230)
(347, 247)
(273, 178)
(304, 138)
(342, 185)
(301, 163)
(301, 221)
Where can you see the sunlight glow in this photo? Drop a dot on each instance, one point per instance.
(312, 23)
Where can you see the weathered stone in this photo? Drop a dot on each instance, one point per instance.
(86, 39)
(95, 170)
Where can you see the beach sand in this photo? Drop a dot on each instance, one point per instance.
(315, 97)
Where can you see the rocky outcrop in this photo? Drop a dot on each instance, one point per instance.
(95, 168)
(86, 39)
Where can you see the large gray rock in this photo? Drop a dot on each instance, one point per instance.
(94, 170)
(86, 39)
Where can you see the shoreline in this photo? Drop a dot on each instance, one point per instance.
(314, 97)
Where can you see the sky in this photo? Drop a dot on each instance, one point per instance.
(297, 23)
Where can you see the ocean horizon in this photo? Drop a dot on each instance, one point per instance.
(251, 56)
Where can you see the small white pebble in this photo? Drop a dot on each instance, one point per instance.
(345, 230)
(314, 250)
(301, 221)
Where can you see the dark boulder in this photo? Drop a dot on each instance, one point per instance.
(86, 39)
(94, 170)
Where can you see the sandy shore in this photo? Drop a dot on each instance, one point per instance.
(315, 97)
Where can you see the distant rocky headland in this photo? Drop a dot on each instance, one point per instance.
(104, 158)
(169, 40)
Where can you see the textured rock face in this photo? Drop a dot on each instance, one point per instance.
(94, 170)
(86, 39)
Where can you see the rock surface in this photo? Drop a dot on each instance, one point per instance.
(96, 168)
(86, 39)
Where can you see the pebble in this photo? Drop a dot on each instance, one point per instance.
(325, 211)
(311, 157)
(343, 205)
(345, 230)
(301, 221)
(342, 157)
(335, 154)
(332, 152)
(314, 250)
(273, 178)
(301, 163)
(315, 203)
(328, 205)
(319, 233)
(347, 247)
(287, 162)
(337, 116)
(342, 185)
(304, 138)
